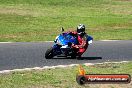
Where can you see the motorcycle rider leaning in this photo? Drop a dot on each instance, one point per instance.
(81, 36)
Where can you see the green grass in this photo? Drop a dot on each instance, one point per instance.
(40, 20)
(63, 77)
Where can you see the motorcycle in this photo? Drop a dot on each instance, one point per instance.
(63, 46)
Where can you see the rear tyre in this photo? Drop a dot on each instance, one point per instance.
(49, 53)
(73, 55)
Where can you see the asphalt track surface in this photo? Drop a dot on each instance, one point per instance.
(28, 55)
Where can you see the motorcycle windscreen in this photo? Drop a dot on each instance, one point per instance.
(65, 38)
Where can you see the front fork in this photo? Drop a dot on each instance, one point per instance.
(56, 49)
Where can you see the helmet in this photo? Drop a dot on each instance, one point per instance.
(81, 29)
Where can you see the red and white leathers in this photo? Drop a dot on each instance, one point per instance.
(82, 45)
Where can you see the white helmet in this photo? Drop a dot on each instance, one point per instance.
(81, 28)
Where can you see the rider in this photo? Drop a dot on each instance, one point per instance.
(82, 39)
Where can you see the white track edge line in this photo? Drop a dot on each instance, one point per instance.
(5, 42)
(53, 67)
(53, 41)
(110, 40)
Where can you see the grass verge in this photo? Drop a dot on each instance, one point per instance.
(40, 20)
(63, 77)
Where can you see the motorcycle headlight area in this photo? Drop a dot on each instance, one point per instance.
(57, 41)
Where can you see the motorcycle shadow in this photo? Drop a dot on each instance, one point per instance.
(80, 58)
(89, 58)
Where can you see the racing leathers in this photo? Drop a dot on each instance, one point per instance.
(82, 45)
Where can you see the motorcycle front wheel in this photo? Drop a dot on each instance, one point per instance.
(49, 53)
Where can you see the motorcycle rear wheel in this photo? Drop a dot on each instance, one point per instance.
(73, 55)
(49, 53)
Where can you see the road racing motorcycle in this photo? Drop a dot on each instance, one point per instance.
(63, 46)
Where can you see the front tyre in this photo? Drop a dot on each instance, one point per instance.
(49, 53)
